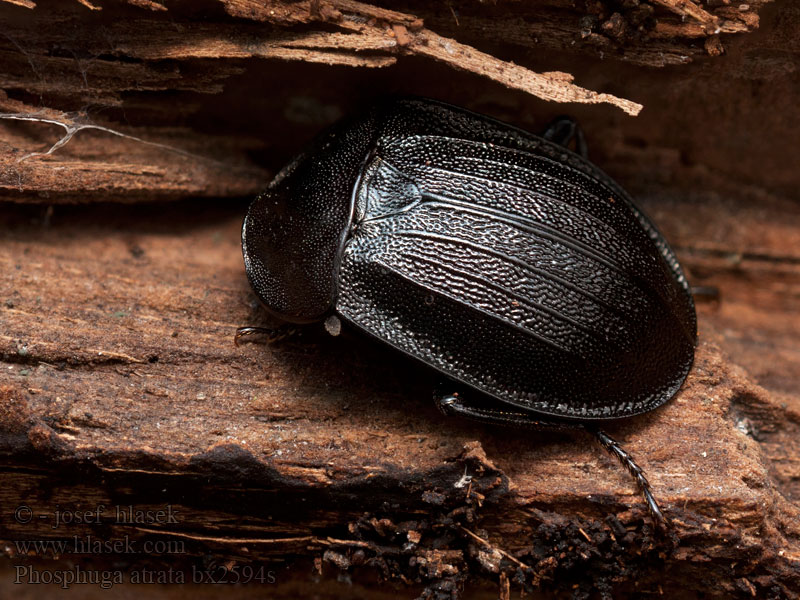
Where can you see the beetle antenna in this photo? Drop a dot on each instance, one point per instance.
(709, 293)
(613, 447)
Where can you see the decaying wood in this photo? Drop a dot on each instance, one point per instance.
(119, 369)
(377, 30)
(175, 84)
(120, 385)
(656, 33)
(103, 164)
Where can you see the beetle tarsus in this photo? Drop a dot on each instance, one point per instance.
(613, 447)
(271, 334)
(446, 404)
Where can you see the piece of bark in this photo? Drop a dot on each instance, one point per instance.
(655, 34)
(207, 90)
(105, 164)
(122, 387)
(371, 30)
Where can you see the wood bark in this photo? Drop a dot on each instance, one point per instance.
(321, 457)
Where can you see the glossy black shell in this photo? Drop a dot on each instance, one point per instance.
(506, 262)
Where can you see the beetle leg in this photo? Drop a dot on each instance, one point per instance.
(709, 293)
(454, 404)
(563, 131)
(272, 334)
(613, 447)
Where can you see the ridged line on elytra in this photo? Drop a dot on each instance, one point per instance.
(422, 181)
(538, 164)
(558, 284)
(527, 332)
(509, 417)
(588, 176)
(449, 166)
(512, 135)
(590, 197)
(585, 172)
(517, 157)
(537, 192)
(534, 307)
(497, 254)
(545, 232)
(427, 174)
(529, 226)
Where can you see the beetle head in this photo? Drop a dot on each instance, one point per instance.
(287, 258)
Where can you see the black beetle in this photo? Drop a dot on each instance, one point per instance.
(504, 260)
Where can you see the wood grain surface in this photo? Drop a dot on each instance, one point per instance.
(119, 362)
